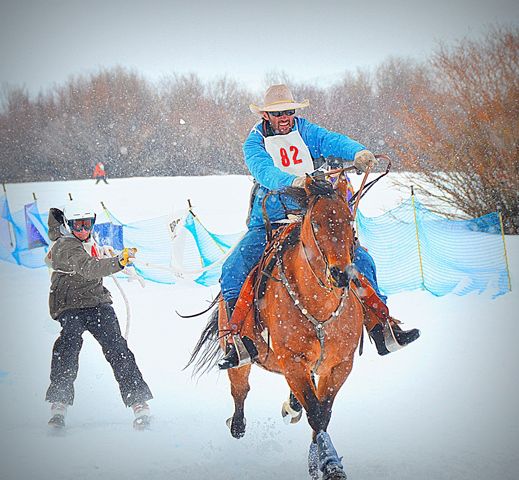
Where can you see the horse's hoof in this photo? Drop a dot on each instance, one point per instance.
(333, 472)
(313, 462)
(289, 414)
(237, 428)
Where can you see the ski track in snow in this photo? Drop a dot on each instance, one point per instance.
(443, 408)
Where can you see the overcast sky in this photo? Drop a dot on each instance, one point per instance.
(42, 42)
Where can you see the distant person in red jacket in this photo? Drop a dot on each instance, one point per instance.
(100, 173)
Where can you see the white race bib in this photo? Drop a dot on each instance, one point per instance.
(290, 153)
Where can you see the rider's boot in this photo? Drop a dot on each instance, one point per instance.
(240, 350)
(389, 337)
(382, 328)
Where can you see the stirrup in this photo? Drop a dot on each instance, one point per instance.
(244, 357)
(389, 338)
(240, 353)
(397, 338)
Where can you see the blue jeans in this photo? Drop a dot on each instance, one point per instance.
(366, 265)
(248, 253)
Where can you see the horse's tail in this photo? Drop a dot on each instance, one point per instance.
(193, 315)
(207, 350)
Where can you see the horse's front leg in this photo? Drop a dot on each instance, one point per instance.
(239, 378)
(303, 387)
(329, 385)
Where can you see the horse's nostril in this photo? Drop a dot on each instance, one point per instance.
(341, 278)
(337, 275)
(335, 272)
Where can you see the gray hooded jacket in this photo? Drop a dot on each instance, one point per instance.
(77, 278)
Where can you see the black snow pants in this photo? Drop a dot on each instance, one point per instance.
(102, 323)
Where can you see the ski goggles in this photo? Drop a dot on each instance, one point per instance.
(288, 113)
(82, 224)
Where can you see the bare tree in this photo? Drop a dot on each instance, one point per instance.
(110, 116)
(462, 131)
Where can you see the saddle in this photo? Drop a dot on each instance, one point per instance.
(253, 289)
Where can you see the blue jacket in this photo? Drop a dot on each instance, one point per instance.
(320, 142)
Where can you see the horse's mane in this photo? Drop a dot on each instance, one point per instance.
(319, 186)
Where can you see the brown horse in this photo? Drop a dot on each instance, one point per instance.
(306, 321)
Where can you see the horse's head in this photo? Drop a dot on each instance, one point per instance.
(327, 230)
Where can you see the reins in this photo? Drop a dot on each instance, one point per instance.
(364, 188)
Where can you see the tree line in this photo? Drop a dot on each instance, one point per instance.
(453, 117)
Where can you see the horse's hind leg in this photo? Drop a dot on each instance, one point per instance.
(239, 378)
(292, 410)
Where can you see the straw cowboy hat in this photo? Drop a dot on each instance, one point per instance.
(278, 98)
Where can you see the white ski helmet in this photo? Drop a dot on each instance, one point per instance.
(77, 211)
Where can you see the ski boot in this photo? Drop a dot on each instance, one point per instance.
(58, 411)
(142, 415)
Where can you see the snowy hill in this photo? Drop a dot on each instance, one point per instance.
(443, 408)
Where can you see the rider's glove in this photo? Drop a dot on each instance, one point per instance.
(364, 160)
(299, 182)
(127, 256)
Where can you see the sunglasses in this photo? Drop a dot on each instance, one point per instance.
(288, 113)
(83, 224)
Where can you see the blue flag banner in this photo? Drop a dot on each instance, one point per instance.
(413, 248)
(6, 232)
(109, 234)
(36, 232)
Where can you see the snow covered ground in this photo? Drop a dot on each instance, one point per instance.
(443, 408)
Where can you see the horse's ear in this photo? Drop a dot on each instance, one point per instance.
(308, 182)
(342, 185)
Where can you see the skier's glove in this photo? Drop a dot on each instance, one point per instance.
(107, 251)
(364, 160)
(127, 256)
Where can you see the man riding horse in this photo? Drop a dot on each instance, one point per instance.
(279, 152)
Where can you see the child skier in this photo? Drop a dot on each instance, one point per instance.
(79, 301)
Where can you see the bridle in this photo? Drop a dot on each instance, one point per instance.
(328, 283)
